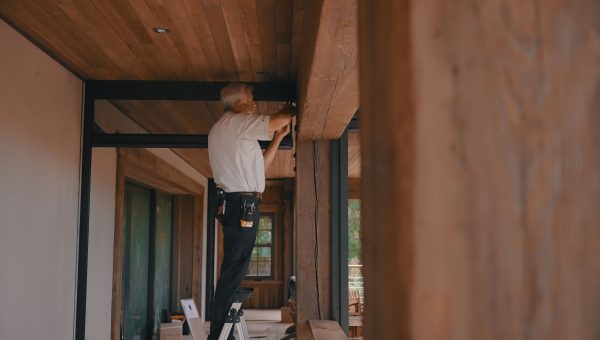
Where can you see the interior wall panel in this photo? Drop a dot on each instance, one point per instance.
(40, 133)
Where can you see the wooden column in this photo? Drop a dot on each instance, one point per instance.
(480, 131)
(312, 233)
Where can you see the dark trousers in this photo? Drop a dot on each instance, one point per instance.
(238, 243)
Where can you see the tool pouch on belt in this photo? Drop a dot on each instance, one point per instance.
(249, 209)
(220, 205)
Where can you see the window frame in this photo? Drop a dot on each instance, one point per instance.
(273, 217)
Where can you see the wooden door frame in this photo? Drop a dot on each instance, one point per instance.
(142, 166)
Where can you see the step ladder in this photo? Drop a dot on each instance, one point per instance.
(235, 318)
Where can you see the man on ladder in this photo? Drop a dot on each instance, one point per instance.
(238, 167)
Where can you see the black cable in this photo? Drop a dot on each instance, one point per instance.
(315, 223)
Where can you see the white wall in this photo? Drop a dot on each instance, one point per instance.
(100, 251)
(40, 131)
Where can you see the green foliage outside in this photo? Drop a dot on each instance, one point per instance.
(354, 245)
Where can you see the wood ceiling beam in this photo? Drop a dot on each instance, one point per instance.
(328, 93)
(143, 166)
(184, 90)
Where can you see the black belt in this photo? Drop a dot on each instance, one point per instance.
(254, 194)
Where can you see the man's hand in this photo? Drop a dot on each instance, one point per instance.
(278, 121)
(279, 134)
(269, 154)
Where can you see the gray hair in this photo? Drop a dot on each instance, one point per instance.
(233, 92)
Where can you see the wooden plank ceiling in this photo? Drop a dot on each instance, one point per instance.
(313, 42)
(209, 40)
(219, 40)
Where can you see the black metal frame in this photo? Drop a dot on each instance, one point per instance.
(104, 140)
(339, 230)
(84, 214)
(91, 137)
(353, 126)
(210, 246)
(185, 90)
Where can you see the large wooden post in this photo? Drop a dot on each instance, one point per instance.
(480, 126)
(313, 232)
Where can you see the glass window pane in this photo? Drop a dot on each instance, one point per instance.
(266, 222)
(263, 237)
(264, 268)
(261, 260)
(252, 269)
(264, 253)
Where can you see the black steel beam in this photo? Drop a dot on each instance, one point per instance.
(100, 140)
(210, 245)
(84, 214)
(185, 90)
(339, 230)
(353, 126)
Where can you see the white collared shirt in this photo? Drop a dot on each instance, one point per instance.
(235, 156)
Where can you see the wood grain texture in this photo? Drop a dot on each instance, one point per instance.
(183, 258)
(354, 188)
(354, 155)
(326, 330)
(186, 275)
(224, 40)
(481, 157)
(288, 237)
(298, 18)
(197, 158)
(209, 40)
(328, 69)
(144, 167)
(313, 229)
(267, 294)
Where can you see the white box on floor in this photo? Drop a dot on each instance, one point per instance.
(170, 331)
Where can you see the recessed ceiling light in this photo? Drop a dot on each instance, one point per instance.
(161, 29)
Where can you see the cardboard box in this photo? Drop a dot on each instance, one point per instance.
(286, 315)
(170, 331)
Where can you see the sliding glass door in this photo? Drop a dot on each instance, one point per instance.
(146, 262)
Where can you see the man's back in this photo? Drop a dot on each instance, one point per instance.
(235, 155)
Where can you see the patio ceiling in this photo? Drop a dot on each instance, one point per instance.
(310, 42)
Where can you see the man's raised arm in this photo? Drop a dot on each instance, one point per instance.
(281, 118)
(269, 154)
